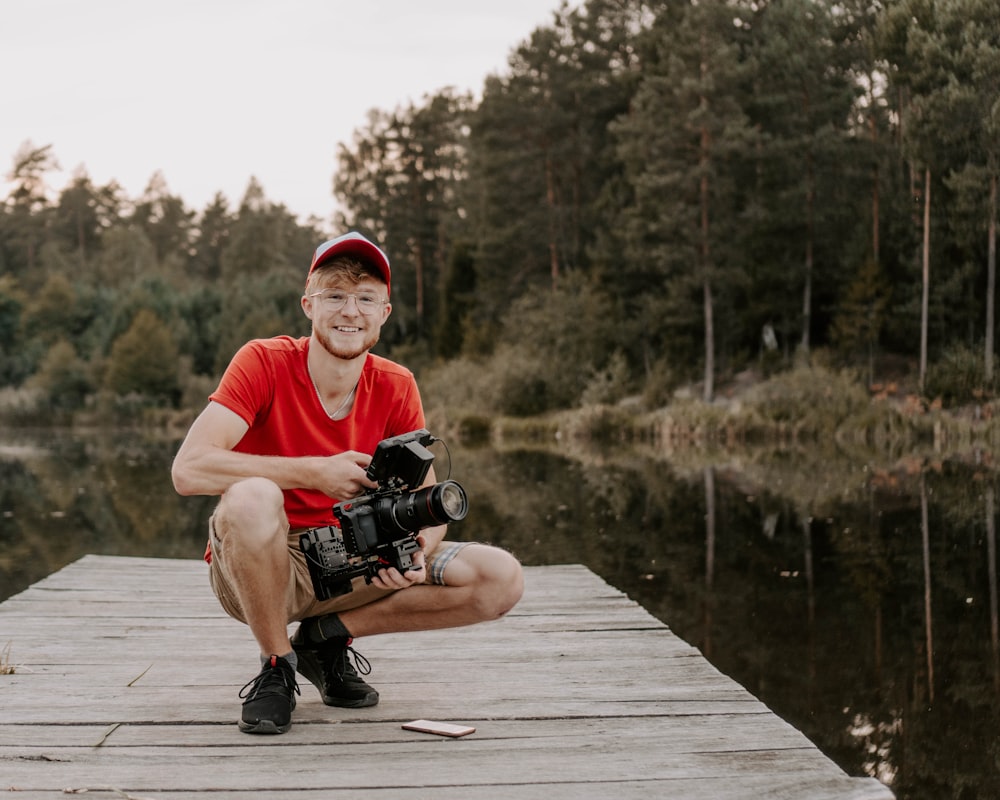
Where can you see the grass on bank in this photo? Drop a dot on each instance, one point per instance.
(509, 398)
(807, 404)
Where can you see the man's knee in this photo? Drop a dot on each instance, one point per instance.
(512, 579)
(499, 579)
(251, 510)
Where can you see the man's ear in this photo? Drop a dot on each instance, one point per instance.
(307, 307)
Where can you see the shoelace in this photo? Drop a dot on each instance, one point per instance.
(343, 664)
(267, 681)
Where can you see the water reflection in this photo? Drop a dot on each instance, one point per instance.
(62, 497)
(860, 604)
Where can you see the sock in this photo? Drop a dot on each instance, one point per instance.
(291, 658)
(330, 627)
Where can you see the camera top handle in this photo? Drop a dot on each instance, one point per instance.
(402, 461)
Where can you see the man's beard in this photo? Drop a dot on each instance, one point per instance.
(346, 353)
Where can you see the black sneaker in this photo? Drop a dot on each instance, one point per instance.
(270, 698)
(327, 665)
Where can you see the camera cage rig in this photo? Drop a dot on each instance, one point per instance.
(378, 529)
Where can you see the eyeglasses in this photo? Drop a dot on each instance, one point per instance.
(332, 300)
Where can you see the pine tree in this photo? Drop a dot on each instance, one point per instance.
(144, 360)
(682, 145)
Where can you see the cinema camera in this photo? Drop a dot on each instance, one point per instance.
(378, 529)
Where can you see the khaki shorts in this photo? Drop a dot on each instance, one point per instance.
(301, 601)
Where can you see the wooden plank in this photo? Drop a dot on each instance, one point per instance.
(702, 733)
(128, 675)
(778, 787)
(471, 763)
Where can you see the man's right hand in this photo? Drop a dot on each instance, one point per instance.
(344, 475)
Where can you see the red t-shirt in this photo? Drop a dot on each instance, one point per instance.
(267, 383)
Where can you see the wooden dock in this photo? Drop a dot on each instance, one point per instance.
(127, 672)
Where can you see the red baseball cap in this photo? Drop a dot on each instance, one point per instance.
(352, 244)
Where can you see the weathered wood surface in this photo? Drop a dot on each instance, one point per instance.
(127, 676)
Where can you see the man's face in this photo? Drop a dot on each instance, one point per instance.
(347, 317)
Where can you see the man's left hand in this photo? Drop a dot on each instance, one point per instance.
(392, 579)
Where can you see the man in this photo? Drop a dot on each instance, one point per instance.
(290, 431)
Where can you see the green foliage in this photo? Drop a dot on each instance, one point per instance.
(258, 306)
(143, 360)
(541, 151)
(556, 342)
(201, 311)
(557, 351)
(682, 147)
(11, 303)
(63, 378)
(127, 254)
(609, 384)
(23, 406)
(53, 302)
(459, 386)
(164, 219)
(958, 377)
(521, 385)
(401, 181)
(638, 193)
(511, 382)
(796, 395)
(13, 366)
(858, 323)
(659, 384)
(457, 294)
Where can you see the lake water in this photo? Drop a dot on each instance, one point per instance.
(857, 601)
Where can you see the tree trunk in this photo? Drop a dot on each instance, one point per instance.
(925, 296)
(875, 190)
(709, 343)
(807, 297)
(420, 256)
(705, 254)
(419, 300)
(810, 233)
(550, 199)
(991, 277)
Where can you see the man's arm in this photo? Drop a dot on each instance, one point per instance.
(207, 464)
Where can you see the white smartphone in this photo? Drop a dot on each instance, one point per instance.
(440, 728)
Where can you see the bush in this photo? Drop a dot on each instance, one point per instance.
(817, 394)
(608, 385)
(63, 378)
(511, 382)
(553, 344)
(958, 377)
(519, 384)
(457, 385)
(22, 406)
(659, 385)
(144, 360)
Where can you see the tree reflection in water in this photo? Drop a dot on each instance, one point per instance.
(859, 603)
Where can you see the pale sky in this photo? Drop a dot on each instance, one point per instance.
(212, 92)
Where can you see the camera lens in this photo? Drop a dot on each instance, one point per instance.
(434, 505)
(454, 503)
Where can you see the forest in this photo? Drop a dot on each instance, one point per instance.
(652, 194)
